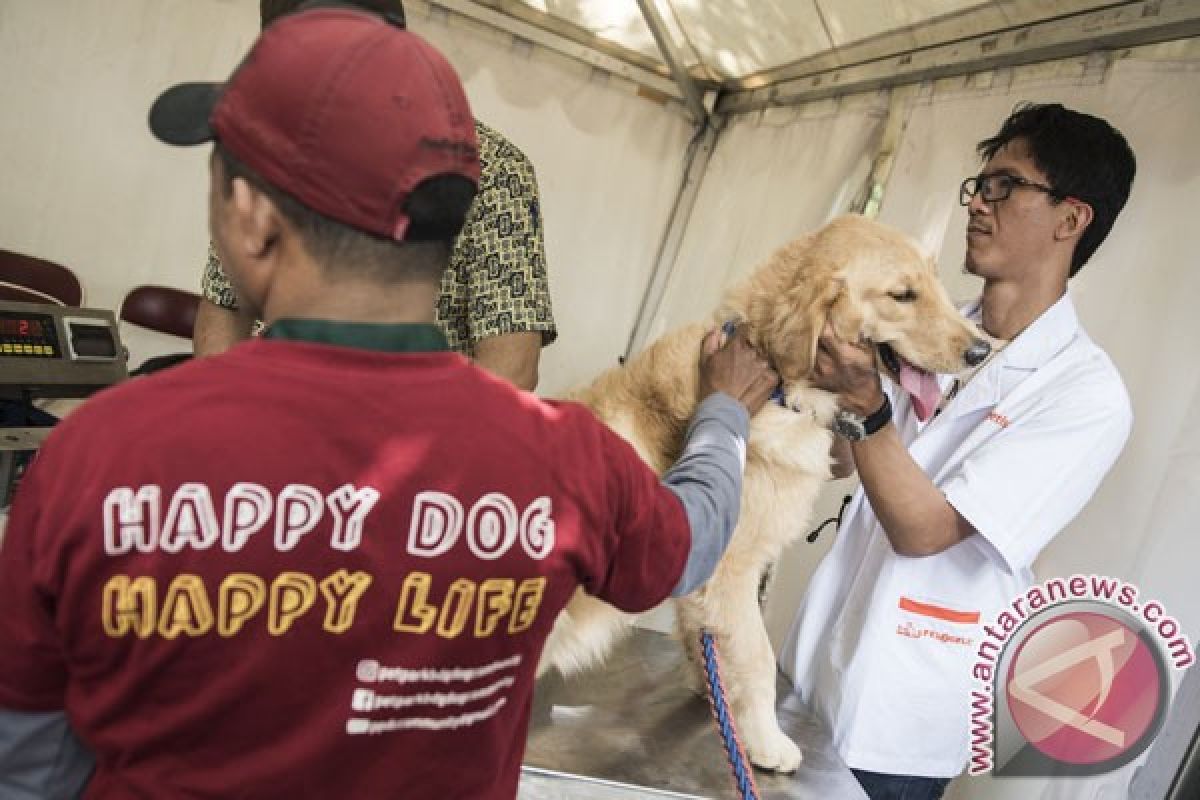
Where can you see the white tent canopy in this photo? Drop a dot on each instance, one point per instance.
(677, 143)
(757, 52)
(739, 40)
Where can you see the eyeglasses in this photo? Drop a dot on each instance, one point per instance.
(999, 186)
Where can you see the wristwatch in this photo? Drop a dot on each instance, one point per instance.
(851, 426)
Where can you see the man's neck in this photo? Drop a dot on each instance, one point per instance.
(293, 285)
(1009, 308)
(353, 301)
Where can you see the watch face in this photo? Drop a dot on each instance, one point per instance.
(849, 426)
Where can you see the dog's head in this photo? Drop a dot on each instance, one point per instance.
(869, 281)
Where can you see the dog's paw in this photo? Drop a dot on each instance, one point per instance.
(774, 752)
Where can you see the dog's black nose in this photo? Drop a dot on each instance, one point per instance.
(977, 352)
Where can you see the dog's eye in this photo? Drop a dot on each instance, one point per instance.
(906, 296)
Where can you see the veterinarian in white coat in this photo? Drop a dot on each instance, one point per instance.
(955, 508)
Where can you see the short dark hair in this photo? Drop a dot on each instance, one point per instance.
(1082, 156)
(436, 210)
(271, 10)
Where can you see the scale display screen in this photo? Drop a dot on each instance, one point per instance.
(92, 341)
(28, 335)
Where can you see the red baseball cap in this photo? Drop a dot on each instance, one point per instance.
(345, 111)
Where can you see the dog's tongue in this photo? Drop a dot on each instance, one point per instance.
(923, 387)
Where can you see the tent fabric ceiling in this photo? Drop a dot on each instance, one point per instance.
(731, 40)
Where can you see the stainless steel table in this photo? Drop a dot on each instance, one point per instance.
(632, 730)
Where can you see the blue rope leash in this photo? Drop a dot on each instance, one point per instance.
(743, 773)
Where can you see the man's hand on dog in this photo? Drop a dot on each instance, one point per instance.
(737, 369)
(848, 369)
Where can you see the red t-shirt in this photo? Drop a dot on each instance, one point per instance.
(299, 570)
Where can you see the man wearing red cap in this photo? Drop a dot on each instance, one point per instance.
(355, 605)
(494, 304)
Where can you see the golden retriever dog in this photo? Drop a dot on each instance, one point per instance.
(868, 281)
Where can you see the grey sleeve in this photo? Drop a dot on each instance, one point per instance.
(40, 757)
(707, 479)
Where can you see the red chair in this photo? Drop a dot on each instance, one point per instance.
(26, 279)
(165, 310)
(162, 309)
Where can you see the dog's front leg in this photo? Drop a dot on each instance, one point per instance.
(729, 609)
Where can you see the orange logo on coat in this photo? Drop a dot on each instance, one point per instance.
(999, 419)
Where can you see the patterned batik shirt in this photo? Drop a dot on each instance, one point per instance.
(496, 282)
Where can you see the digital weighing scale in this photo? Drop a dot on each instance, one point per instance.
(50, 352)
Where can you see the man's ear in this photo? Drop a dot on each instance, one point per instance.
(1075, 219)
(256, 219)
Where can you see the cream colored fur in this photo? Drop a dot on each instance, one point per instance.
(851, 272)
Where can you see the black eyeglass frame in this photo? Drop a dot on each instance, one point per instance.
(978, 184)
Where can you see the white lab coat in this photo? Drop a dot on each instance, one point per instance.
(883, 645)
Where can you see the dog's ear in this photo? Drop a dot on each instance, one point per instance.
(846, 316)
(754, 304)
(811, 301)
(785, 304)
